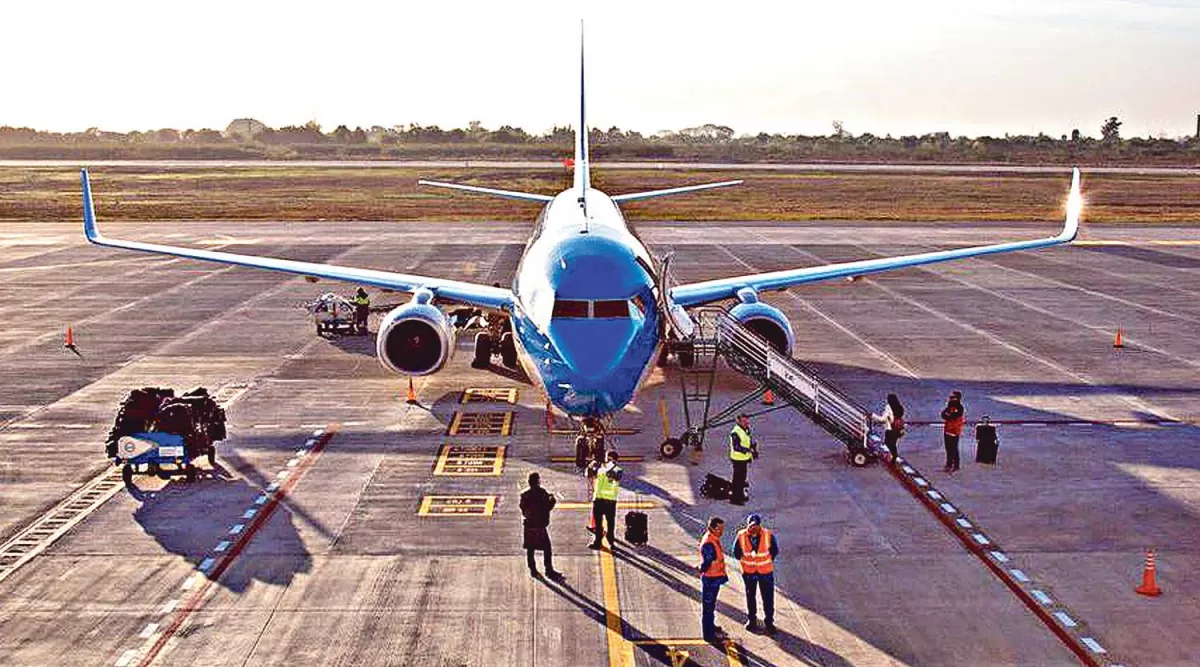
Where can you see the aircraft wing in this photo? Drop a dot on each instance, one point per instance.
(451, 290)
(697, 294)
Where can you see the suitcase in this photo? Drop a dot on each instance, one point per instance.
(637, 528)
(986, 443)
(716, 488)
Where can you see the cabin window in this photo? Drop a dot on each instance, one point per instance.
(615, 308)
(571, 309)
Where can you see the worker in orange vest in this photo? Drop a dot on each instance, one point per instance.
(756, 550)
(712, 577)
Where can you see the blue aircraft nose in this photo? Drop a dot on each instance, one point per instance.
(593, 348)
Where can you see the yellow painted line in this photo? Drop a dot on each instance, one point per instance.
(507, 428)
(620, 650)
(489, 395)
(470, 461)
(632, 505)
(454, 423)
(733, 653)
(571, 459)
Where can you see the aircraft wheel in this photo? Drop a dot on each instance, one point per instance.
(483, 350)
(212, 455)
(859, 458)
(127, 474)
(670, 448)
(690, 439)
(508, 350)
(189, 471)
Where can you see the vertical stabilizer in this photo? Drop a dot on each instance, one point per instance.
(582, 165)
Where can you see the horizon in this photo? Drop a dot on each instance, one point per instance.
(1048, 66)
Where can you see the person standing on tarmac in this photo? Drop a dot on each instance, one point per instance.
(604, 500)
(953, 416)
(536, 504)
(712, 577)
(362, 309)
(893, 421)
(756, 550)
(742, 450)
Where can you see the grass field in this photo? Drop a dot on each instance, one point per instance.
(309, 193)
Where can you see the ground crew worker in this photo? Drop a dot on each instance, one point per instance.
(536, 504)
(756, 549)
(953, 416)
(742, 449)
(712, 576)
(604, 500)
(362, 308)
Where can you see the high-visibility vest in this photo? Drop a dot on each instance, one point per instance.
(361, 300)
(607, 488)
(744, 437)
(717, 568)
(756, 562)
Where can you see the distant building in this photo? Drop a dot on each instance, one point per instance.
(244, 128)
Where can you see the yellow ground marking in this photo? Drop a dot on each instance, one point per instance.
(481, 423)
(620, 650)
(470, 460)
(571, 459)
(662, 410)
(489, 395)
(678, 658)
(631, 505)
(733, 649)
(481, 506)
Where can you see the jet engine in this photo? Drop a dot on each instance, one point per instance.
(765, 320)
(416, 338)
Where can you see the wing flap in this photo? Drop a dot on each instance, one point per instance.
(697, 294)
(453, 290)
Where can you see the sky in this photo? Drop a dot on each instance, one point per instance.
(896, 67)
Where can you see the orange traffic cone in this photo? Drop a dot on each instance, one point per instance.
(768, 397)
(412, 394)
(69, 342)
(1149, 585)
(1117, 342)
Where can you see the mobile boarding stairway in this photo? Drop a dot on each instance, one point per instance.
(793, 384)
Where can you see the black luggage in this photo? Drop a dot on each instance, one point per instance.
(637, 528)
(986, 443)
(716, 488)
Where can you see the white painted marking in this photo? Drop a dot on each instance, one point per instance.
(1041, 597)
(312, 426)
(237, 529)
(221, 546)
(264, 426)
(76, 426)
(920, 481)
(301, 453)
(948, 508)
(170, 606)
(318, 433)
(293, 463)
(206, 564)
(149, 630)
(260, 500)
(273, 486)
(909, 470)
(282, 474)
(127, 657)
(365, 423)
(1064, 619)
(935, 495)
(964, 523)
(190, 582)
(978, 537)
(999, 555)
(249, 514)
(1019, 576)
(1083, 424)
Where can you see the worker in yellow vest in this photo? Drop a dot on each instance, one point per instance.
(604, 500)
(712, 577)
(742, 450)
(362, 310)
(756, 550)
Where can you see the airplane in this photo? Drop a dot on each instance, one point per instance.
(590, 308)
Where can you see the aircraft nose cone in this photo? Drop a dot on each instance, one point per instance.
(593, 348)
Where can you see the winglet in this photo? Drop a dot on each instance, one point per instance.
(89, 210)
(1074, 209)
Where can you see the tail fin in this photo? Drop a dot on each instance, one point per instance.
(582, 165)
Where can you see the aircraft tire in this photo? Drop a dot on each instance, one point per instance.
(508, 350)
(483, 350)
(127, 474)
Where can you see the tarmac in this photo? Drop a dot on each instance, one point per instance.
(324, 537)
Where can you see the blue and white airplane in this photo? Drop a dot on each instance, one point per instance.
(590, 307)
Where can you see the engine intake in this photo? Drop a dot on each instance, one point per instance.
(768, 322)
(415, 339)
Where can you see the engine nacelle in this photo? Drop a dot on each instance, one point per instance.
(765, 320)
(416, 338)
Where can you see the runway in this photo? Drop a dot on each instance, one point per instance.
(352, 558)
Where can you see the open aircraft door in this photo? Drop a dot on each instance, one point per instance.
(679, 322)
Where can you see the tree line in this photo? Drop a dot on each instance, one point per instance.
(250, 139)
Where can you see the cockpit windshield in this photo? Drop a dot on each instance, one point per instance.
(599, 309)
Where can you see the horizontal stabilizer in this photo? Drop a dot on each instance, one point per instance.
(507, 194)
(633, 196)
